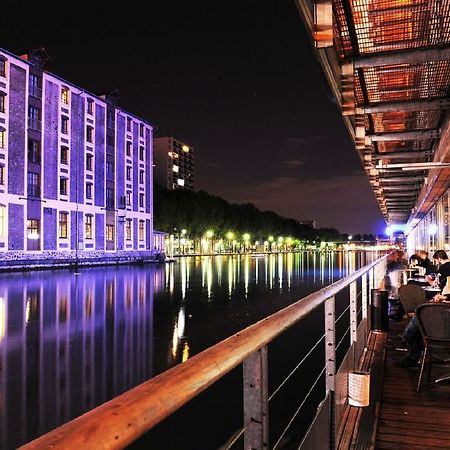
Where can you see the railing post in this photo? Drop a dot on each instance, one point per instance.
(371, 279)
(330, 360)
(353, 313)
(364, 295)
(256, 403)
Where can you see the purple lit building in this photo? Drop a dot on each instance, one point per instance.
(75, 170)
(174, 163)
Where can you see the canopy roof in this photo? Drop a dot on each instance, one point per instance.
(388, 64)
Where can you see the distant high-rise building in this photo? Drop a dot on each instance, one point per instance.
(173, 163)
(75, 169)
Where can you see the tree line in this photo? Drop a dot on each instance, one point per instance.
(197, 212)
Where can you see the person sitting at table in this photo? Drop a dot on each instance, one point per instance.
(441, 259)
(425, 262)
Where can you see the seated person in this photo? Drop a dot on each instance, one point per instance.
(425, 262)
(411, 335)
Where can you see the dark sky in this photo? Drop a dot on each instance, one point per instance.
(237, 80)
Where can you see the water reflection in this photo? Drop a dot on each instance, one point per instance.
(69, 342)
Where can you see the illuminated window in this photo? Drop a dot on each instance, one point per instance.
(64, 124)
(129, 148)
(109, 232)
(89, 159)
(2, 138)
(65, 96)
(63, 225)
(176, 169)
(2, 221)
(89, 191)
(2, 102)
(141, 200)
(180, 182)
(185, 148)
(89, 134)
(141, 230)
(2, 174)
(33, 229)
(64, 154)
(88, 226)
(63, 186)
(128, 230)
(90, 106)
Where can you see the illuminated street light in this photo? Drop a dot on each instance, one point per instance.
(209, 234)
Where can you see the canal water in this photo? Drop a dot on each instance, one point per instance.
(70, 341)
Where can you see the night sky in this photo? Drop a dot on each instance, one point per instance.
(237, 80)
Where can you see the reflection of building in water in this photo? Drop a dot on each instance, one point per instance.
(69, 343)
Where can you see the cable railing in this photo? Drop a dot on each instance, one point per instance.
(120, 421)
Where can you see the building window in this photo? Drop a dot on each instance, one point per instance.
(141, 200)
(64, 154)
(63, 186)
(64, 124)
(141, 176)
(88, 226)
(129, 145)
(2, 67)
(141, 130)
(110, 119)
(128, 198)
(2, 221)
(2, 139)
(110, 141)
(128, 230)
(2, 175)
(89, 191)
(34, 121)
(128, 173)
(90, 106)
(63, 225)
(141, 153)
(34, 189)
(2, 102)
(109, 171)
(89, 159)
(33, 229)
(34, 151)
(89, 134)
(109, 232)
(109, 198)
(141, 230)
(128, 124)
(65, 96)
(34, 88)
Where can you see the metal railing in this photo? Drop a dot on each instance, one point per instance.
(120, 421)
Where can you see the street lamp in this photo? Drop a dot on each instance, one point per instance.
(230, 237)
(246, 238)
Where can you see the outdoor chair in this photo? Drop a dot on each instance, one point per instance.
(434, 324)
(411, 295)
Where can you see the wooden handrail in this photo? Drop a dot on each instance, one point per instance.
(120, 421)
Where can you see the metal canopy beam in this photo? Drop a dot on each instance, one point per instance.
(416, 105)
(400, 194)
(402, 155)
(406, 136)
(416, 56)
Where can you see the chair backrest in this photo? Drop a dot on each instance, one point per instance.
(411, 295)
(434, 320)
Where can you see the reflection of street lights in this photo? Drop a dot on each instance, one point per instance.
(280, 242)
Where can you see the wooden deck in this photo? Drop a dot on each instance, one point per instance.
(410, 420)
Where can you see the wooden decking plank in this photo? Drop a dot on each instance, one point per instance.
(422, 432)
(407, 439)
